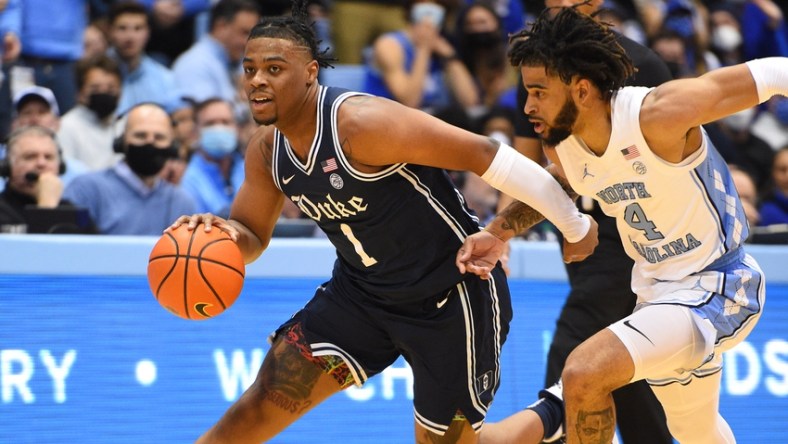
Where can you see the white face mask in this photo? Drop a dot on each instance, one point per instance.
(428, 11)
(500, 136)
(741, 120)
(726, 38)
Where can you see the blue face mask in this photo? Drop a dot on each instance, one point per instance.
(218, 141)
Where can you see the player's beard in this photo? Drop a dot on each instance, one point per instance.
(562, 126)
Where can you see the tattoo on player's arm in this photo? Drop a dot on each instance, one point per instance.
(519, 217)
(595, 427)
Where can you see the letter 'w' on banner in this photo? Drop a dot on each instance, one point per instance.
(329, 165)
(629, 152)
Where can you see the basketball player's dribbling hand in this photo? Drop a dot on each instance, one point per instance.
(479, 254)
(578, 251)
(209, 221)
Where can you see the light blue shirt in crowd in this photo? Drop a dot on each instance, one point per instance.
(120, 203)
(53, 30)
(203, 180)
(150, 82)
(190, 7)
(205, 71)
(11, 19)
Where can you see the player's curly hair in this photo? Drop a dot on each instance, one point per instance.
(296, 28)
(573, 44)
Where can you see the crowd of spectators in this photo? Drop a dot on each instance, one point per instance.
(79, 72)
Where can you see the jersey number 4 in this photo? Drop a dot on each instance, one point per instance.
(636, 218)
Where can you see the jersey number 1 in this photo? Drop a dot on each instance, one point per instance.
(365, 258)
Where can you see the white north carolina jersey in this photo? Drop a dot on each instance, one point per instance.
(674, 219)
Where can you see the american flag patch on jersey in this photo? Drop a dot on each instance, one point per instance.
(630, 152)
(329, 165)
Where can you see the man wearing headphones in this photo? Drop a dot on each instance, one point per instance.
(131, 197)
(31, 169)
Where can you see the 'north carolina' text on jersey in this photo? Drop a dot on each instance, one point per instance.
(396, 231)
(674, 219)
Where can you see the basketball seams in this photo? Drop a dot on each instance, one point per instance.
(199, 258)
(174, 264)
(211, 261)
(205, 247)
(186, 307)
(211, 280)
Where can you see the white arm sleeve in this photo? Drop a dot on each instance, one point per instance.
(770, 75)
(526, 181)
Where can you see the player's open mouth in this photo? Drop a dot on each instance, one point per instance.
(258, 102)
(538, 126)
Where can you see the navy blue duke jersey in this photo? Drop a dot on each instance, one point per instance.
(396, 231)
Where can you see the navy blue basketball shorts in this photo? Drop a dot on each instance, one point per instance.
(452, 341)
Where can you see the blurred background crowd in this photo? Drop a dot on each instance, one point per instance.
(123, 115)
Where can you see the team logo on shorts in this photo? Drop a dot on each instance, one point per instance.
(484, 382)
(336, 181)
(639, 168)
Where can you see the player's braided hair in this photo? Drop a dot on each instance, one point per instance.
(296, 28)
(573, 44)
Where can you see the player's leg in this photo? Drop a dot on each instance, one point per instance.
(457, 371)
(523, 427)
(639, 415)
(287, 386)
(693, 409)
(459, 432)
(593, 370)
(599, 296)
(328, 345)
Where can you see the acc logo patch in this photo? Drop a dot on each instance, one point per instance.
(336, 181)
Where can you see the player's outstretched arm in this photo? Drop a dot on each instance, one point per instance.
(379, 132)
(674, 108)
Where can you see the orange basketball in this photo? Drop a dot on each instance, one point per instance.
(194, 274)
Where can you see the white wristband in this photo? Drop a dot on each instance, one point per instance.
(526, 181)
(770, 76)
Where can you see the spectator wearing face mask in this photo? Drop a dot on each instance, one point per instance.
(216, 169)
(130, 198)
(86, 132)
(726, 38)
(417, 66)
(481, 45)
(686, 19)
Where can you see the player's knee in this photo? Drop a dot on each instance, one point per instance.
(577, 381)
